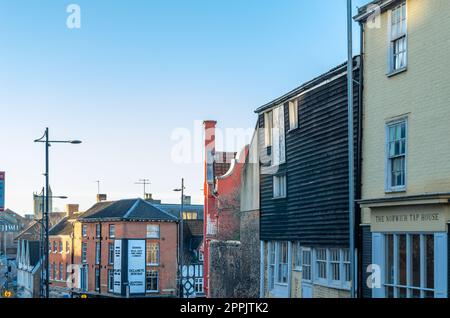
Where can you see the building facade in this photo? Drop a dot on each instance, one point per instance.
(64, 241)
(405, 167)
(128, 248)
(304, 219)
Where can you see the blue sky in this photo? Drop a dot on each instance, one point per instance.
(136, 71)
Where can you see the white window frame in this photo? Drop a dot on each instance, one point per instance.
(278, 263)
(111, 253)
(149, 234)
(97, 253)
(268, 129)
(278, 136)
(293, 114)
(112, 231)
(392, 70)
(98, 230)
(271, 264)
(309, 265)
(84, 230)
(388, 168)
(317, 279)
(60, 246)
(157, 281)
(84, 252)
(279, 186)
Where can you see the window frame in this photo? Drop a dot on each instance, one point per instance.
(388, 161)
(98, 230)
(84, 230)
(112, 231)
(97, 253)
(84, 252)
(110, 280)
(307, 265)
(110, 253)
(276, 186)
(396, 285)
(158, 251)
(392, 70)
(153, 237)
(293, 114)
(278, 256)
(152, 271)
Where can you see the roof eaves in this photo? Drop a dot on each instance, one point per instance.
(369, 9)
(308, 85)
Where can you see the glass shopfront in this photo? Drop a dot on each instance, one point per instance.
(413, 265)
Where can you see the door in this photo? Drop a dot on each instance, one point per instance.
(306, 274)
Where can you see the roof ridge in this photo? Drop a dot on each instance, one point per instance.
(152, 205)
(126, 215)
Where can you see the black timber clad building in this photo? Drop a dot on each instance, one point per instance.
(312, 210)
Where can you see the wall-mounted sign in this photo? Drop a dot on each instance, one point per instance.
(398, 219)
(136, 266)
(129, 266)
(118, 266)
(2, 191)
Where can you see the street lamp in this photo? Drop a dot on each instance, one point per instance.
(46, 139)
(180, 244)
(41, 237)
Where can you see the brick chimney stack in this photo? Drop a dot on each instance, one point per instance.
(71, 209)
(210, 149)
(101, 197)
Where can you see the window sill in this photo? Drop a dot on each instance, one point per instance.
(153, 265)
(279, 198)
(396, 72)
(394, 191)
(293, 130)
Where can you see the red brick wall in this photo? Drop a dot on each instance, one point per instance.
(133, 230)
(57, 258)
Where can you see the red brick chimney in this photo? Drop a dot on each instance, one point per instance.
(71, 209)
(210, 149)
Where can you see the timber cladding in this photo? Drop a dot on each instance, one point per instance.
(315, 211)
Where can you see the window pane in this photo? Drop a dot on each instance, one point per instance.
(402, 259)
(430, 261)
(389, 259)
(415, 271)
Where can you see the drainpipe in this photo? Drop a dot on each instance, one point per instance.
(351, 163)
(359, 160)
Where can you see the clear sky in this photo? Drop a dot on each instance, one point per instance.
(136, 71)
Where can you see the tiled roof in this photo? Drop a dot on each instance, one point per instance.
(65, 226)
(130, 209)
(32, 232)
(174, 209)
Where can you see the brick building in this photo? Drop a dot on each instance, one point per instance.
(222, 218)
(127, 247)
(62, 247)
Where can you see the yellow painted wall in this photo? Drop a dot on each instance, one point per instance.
(422, 92)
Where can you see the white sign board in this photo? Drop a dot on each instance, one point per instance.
(136, 266)
(117, 266)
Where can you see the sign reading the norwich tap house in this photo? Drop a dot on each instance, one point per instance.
(412, 219)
